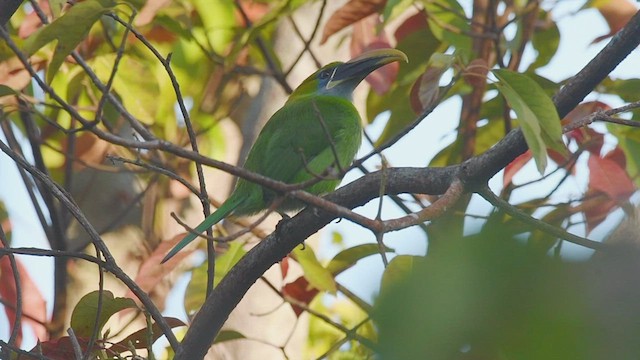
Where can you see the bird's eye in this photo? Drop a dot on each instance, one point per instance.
(325, 74)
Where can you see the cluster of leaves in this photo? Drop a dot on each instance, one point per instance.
(89, 317)
(102, 60)
(487, 296)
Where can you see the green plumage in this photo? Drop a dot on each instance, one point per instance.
(316, 133)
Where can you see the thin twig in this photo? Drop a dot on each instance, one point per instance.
(75, 345)
(158, 169)
(22, 353)
(327, 133)
(307, 42)
(17, 325)
(266, 54)
(380, 235)
(496, 201)
(110, 264)
(407, 129)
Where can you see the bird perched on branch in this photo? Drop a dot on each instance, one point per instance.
(316, 134)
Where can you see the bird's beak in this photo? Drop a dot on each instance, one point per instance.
(356, 69)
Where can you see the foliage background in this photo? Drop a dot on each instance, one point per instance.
(232, 61)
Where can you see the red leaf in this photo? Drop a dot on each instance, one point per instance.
(284, 266)
(588, 139)
(617, 155)
(157, 34)
(606, 175)
(617, 13)
(89, 149)
(62, 349)
(254, 10)
(476, 72)
(596, 207)
(140, 339)
(301, 291)
(33, 304)
(149, 11)
(364, 38)
(512, 169)
(584, 110)
(32, 21)
(425, 90)
(350, 13)
(562, 159)
(151, 272)
(411, 25)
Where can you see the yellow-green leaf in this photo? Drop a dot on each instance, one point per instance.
(536, 113)
(197, 289)
(348, 257)
(228, 335)
(317, 275)
(135, 83)
(398, 269)
(446, 19)
(5, 91)
(68, 30)
(394, 8)
(85, 314)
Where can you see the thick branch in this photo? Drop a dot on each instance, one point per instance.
(9, 7)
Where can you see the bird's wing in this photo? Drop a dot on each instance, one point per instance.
(291, 142)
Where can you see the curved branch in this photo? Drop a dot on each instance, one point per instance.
(498, 202)
(474, 172)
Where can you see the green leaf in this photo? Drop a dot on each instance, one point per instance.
(450, 155)
(393, 8)
(545, 40)
(68, 30)
(488, 135)
(626, 89)
(228, 335)
(219, 21)
(397, 102)
(347, 258)
(550, 87)
(317, 275)
(56, 7)
(145, 337)
(536, 113)
(419, 45)
(84, 316)
(336, 238)
(541, 241)
(399, 268)
(445, 16)
(136, 84)
(6, 91)
(629, 142)
(197, 289)
(225, 262)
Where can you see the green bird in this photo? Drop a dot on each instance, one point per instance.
(315, 134)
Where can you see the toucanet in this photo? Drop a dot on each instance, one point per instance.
(315, 134)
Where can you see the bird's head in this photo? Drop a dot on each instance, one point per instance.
(340, 79)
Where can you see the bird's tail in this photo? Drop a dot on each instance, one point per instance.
(225, 209)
